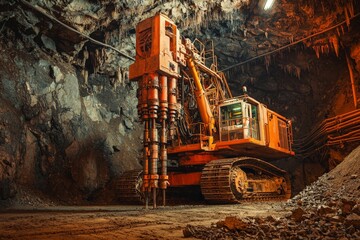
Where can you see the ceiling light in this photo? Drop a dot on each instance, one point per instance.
(268, 4)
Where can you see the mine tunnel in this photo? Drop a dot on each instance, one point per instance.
(233, 119)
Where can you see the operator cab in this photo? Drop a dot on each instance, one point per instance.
(239, 119)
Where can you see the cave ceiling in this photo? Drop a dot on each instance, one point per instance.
(241, 30)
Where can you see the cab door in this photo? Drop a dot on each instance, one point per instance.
(246, 120)
(250, 121)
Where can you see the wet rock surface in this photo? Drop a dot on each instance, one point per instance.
(327, 209)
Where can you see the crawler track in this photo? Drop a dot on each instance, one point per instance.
(217, 181)
(222, 181)
(128, 187)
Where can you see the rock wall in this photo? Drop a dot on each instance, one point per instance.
(57, 131)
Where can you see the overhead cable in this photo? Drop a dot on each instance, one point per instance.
(43, 11)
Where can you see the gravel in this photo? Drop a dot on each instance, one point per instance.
(327, 209)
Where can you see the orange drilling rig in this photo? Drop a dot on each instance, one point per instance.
(195, 131)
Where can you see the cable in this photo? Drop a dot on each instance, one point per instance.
(42, 11)
(336, 130)
(291, 44)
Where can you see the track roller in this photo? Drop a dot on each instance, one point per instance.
(128, 186)
(243, 179)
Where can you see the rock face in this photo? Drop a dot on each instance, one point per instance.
(53, 124)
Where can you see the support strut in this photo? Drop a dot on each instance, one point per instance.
(163, 136)
(157, 105)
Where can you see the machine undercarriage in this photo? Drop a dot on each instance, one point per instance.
(231, 180)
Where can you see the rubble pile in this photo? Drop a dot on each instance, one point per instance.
(343, 182)
(299, 225)
(28, 198)
(327, 209)
(324, 193)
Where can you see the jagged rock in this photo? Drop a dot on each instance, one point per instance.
(298, 214)
(122, 129)
(69, 98)
(337, 218)
(56, 73)
(353, 220)
(188, 231)
(232, 223)
(92, 107)
(48, 43)
(195, 231)
(270, 219)
(355, 54)
(323, 210)
(331, 177)
(356, 209)
(129, 124)
(347, 206)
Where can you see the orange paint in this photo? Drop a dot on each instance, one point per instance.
(184, 179)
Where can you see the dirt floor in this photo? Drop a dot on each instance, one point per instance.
(122, 222)
(329, 208)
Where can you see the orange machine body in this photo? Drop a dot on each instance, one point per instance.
(189, 114)
(158, 48)
(156, 69)
(245, 128)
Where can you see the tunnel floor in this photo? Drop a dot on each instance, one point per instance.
(122, 222)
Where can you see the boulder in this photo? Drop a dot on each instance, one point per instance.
(233, 223)
(297, 214)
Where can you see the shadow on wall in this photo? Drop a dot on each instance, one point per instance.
(88, 164)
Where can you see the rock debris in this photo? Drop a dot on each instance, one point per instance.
(327, 209)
